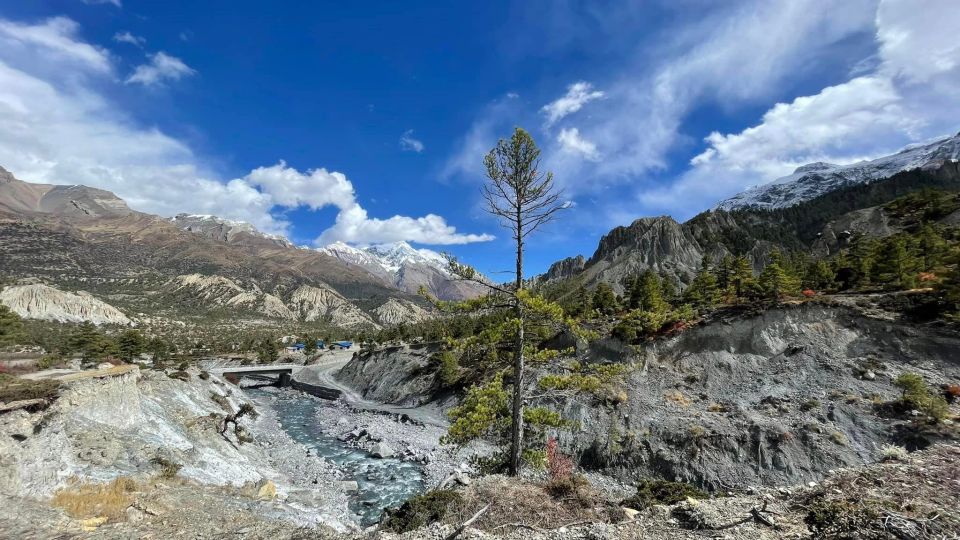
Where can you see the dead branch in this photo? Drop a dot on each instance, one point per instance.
(459, 530)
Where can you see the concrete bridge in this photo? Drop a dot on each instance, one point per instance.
(285, 378)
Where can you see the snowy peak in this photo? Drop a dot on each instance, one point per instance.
(815, 179)
(390, 258)
(225, 230)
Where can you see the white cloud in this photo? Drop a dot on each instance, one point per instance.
(161, 67)
(57, 37)
(409, 143)
(56, 127)
(127, 37)
(117, 3)
(578, 94)
(571, 142)
(319, 188)
(909, 95)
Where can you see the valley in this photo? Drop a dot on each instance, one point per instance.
(742, 371)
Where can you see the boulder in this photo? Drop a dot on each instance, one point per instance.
(266, 490)
(382, 450)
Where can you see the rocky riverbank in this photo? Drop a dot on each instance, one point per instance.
(157, 442)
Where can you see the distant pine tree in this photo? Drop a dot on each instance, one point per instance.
(11, 327)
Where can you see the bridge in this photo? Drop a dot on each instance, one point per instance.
(285, 378)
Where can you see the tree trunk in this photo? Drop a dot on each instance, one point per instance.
(516, 427)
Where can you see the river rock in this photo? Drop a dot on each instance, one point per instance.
(382, 450)
(266, 490)
(350, 486)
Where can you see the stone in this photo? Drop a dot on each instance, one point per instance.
(350, 486)
(630, 513)
(382, 450)
(91, 524)
(869, 375)
(266, 490)
(134, 514)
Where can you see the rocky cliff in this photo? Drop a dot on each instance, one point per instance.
(38, 301)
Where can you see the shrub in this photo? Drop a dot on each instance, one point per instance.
(87, 500)
(677, 397)
(809, 405)
(917, 395)
(449, 368)
(204, 376)
(220, 400)
(573, 486)
(651, 492)
(49, 361)
(422, 510)
(559, 466)
(892, 452)
(838, 437)
(17, 389)
(839, 518)
(168, 469)
(181, 375)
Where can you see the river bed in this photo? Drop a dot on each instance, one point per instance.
(383, 483)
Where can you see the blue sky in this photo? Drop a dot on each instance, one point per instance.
(367, 122)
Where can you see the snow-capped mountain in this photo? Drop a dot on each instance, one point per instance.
(815, 179)
(406, 268)
(222, 229)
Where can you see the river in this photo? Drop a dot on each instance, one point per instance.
(383, 483)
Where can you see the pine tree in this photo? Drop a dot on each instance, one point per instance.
(741, 277)
(932, 247)
(669, 290)
(777, 281)
(650, 293)
(704, 290)
(11, 327)
(724, 272)
(130, 344)
(896, 263)
(819, 276)
(604, 300)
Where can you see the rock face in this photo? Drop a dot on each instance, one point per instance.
(773, 399)
(395, 311)
(566, 268)
(394, 375)
(38, 301)
(219, 291)
(318, 304)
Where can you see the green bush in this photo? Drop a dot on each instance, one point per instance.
(181, 375)
(422, 510)
(917, 395)
(17, 389)
(449, 368)
(651, 492)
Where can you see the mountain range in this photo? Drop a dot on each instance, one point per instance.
(70, 252)
(815, 209)
(57, 240)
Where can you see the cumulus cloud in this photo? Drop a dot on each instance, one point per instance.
(161, 67)
(127, 37)
(578, 94)
(56, 127)
(409, 143)
(318, 188)
(571, 142)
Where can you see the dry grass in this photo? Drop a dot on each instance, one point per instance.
(87, 500)
(677, 397)
(533, 505)
(98, 373)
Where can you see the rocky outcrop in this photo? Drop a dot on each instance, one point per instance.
(566, 268)
(320, 304)
(394, 375)
(219, 291)
(871, 222)
(772, 399)
(38, 301)
(226, 230)
(395, 311)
